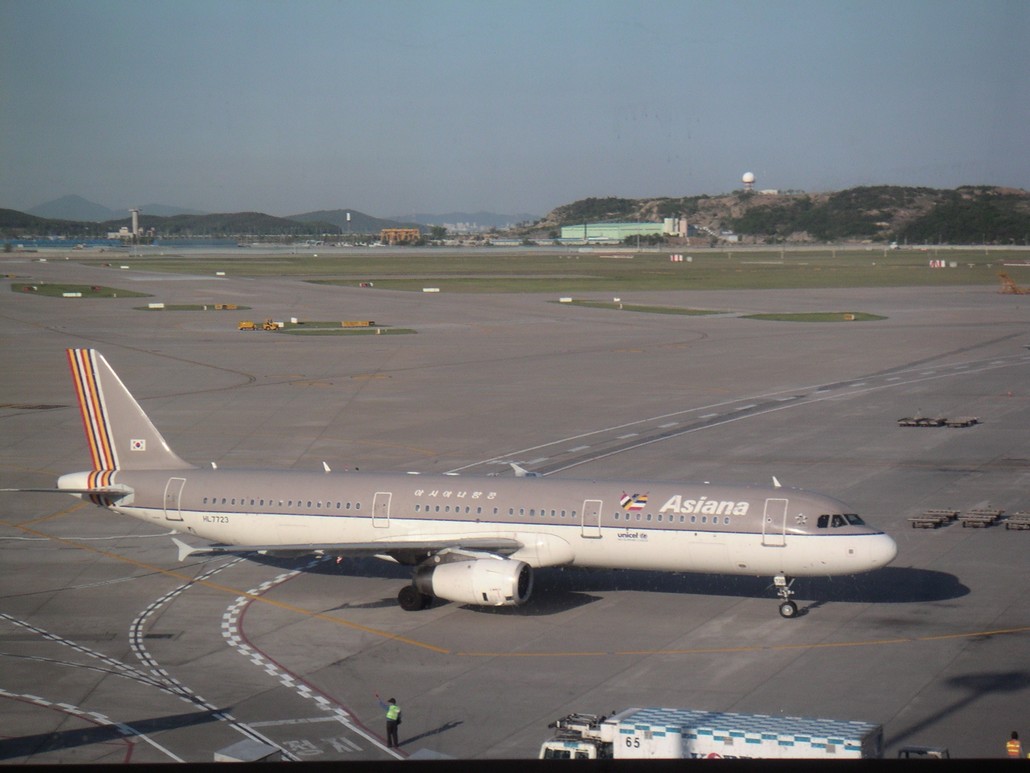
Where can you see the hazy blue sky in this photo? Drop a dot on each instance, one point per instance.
(393, 107)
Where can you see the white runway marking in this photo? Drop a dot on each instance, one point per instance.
(232, 632)
(817, 393)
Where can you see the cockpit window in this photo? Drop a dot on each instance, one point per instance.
(837, 520)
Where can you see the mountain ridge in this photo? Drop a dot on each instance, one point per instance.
(966, 215)
(77, 208)
(481, 218)
(359, 222)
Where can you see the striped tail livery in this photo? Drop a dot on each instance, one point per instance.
(119, 434)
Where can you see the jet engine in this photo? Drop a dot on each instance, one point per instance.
(496, 582)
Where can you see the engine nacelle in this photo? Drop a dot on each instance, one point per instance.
(495, 582)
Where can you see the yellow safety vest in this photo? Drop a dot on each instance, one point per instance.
(393, 712)
(1014, 748)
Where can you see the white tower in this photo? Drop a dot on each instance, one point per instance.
(135, 221)
(749, 181)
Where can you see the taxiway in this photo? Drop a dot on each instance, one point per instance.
(111, 650)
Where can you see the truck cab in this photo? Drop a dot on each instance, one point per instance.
(577, 737)
(572, 749)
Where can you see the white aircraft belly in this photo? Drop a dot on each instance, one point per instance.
(617, 548)
(722, 553)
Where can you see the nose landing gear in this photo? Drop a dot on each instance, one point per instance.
(783, 585)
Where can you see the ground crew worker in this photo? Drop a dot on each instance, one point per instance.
(1013, 747)
(393, 719)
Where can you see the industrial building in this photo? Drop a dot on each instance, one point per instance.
(617, 232)
(399, 235)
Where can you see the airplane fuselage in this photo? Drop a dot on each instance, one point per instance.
(692, 527)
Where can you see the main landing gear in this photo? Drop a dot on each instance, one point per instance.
(787, 607)
(412, 599)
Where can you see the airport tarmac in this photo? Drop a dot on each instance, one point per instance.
(113, 651)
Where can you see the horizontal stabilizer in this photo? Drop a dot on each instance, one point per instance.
(110, 492)
(185, 551)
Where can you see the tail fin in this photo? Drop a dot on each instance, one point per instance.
(119, 434)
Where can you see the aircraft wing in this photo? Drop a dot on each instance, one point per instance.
(408, 552)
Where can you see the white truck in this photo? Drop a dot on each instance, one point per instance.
(662, 733)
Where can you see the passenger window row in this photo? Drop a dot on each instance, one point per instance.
(287, 503)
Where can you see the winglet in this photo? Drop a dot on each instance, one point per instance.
(522, 472)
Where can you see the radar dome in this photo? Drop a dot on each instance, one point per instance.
(748, 177)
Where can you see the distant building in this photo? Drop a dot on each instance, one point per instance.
(678, 226)
(609, 232)
(122, 233)
(399, 235)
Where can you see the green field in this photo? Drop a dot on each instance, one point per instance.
(620, 306)
(190, 307)
(332, 328)
(572, 272)
(818, 316)
(346, 331)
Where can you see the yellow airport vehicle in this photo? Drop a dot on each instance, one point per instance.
(268, 324)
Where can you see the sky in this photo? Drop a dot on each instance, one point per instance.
(392, 107)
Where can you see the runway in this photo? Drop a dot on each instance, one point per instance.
(113, 651)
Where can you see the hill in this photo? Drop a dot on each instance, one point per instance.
(966, 215)
(165, 210)
(481, 220)
(228, 225)
(14, 224)
(76, 208)
(359, 223)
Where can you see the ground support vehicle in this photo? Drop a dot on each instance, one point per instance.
(663, 733)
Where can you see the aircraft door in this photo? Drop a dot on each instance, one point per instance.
(774, 523)
(591, 522)
(381, 509)
(173, 493)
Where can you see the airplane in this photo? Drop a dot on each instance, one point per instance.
(470, 540)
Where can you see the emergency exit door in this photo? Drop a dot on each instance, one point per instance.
(173, 494)
(381, 509)
(774, 523)
(591, 523)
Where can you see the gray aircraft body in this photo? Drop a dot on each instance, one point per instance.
(473, 540)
